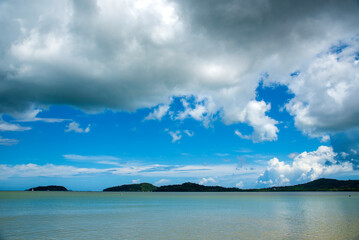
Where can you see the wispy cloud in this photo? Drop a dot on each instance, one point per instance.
(239, 134)
(90, 158)
(100, 159)
(293, 155)
(240, 184)
(222, 154)
(176, 136)
(135, 181)
(5, 126)
(47, 120)
(31, 116)
(204, 181)
(47, 170)
(158, 113)
(243, 150)
(189, 133)
(75, 127)
(143, 170)
(162, 181)
(8, 141)
(257, 156)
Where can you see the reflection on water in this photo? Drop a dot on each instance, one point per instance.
(99, 215)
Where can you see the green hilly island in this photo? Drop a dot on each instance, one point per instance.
(322, 184)
(193, 187)
(142, 187)
(48, 188)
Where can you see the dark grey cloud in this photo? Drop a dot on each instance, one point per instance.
(272, 27)
(125, 55)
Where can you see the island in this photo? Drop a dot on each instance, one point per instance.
(48, 188)
(141, 187)
(322, 184)
(193, 187)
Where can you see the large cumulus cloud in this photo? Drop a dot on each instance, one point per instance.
(305, 167)
(326, 93)
(125, 55)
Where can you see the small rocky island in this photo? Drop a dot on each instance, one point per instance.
(48, 188)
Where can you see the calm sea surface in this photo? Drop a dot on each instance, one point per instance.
(99, 215)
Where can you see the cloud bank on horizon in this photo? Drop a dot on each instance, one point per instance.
(213, 55)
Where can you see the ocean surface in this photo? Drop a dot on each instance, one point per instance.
(109, 215)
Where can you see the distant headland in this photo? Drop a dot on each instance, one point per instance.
(322, 184)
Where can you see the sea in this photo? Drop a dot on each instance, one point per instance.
(156, 215)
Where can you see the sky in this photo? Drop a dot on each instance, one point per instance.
(234, 93)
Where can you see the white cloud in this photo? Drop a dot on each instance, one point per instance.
(75, 127)
(189, 133)
(135, 181)
(199, 171)
(326, 98)
(204, 181)
(129, 169)
(305, 167)
(112, 163)
(162, 181)
(71, 55)
(5, 126)
(240, 184)
(239, 134)
(200, 108)
(90, 158)
(263, 126)
(222, 154)
(158, 113)
(47, 170)
(199, 112)
(176, 136)
(293, 155)
(8, 141)
(344, 154)
(31, 116)
(99, 159)
(244, 150)
(325, 138)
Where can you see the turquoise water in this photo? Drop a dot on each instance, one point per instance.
(99, 215)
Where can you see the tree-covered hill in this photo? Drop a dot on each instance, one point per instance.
(322, 184)
(141, 187)
(193, 187)
(48, 188)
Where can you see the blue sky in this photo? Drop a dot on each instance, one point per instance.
(109, 93)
